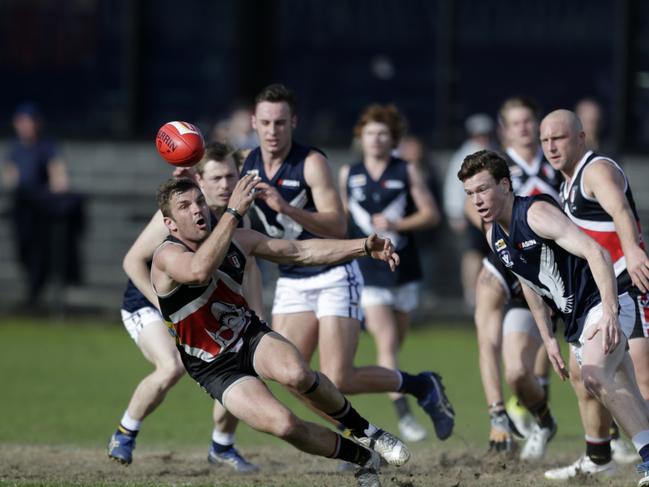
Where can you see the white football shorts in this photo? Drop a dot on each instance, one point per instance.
(335, 292)
(404, 298)
(627, 321)
(137, 320)
(521, 320)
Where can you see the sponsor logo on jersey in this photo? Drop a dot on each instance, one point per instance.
(393, 184)
(357, 180)
(500, 244)
(526, 244)
(289, 183)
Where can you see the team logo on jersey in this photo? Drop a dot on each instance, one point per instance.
(393, 184)
(233, 259)
(526, 244)
(506, 258)
(358, 194)
(500, 244)
(289, 183)
(357, 180)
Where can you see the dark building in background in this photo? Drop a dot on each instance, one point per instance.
(119, 69)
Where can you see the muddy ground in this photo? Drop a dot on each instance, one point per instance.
(57, 466)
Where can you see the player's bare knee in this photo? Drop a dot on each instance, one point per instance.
(299, 378)
(516, 376)
(593, 379)
(287, 427)
(169, 374)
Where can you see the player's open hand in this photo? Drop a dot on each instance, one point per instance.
(244, 193)
(271, 197)
(637, 264)
(554, 354)
(609, 327)
(382, 249)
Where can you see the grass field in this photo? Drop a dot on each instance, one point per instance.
(64, 387)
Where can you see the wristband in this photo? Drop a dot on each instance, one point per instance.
(366, 248)
(234, 213)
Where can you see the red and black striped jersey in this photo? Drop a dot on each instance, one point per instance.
(208, 319)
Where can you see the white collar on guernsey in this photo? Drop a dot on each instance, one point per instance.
(531, 169)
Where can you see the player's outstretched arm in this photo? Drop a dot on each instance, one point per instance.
(317, 251)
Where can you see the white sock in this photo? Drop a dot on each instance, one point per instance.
(222, 438)
(641, 439)
(130, 423)
(370, 430)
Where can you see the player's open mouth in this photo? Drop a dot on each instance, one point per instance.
(201, 223)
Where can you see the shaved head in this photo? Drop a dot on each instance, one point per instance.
(566, 117)
(563, 140)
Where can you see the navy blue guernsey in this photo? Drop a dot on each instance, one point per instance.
(390, 195)
(563, 280)
(133, 299)
(289, 182)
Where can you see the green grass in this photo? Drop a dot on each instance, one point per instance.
(68, 384)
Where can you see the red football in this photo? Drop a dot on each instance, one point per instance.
(180, 143)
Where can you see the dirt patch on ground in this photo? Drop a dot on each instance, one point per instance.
(48, 466)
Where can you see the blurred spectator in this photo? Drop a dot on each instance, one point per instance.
(480, 135)
(412, 149)
(47, 218)
(590, 114)
(236, 130)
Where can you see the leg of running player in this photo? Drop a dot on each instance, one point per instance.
(277, 359)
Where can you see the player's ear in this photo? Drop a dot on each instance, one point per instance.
(253, 121)
(170, 224)
(294, 121)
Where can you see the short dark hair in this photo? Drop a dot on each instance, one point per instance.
(386, 114)
(485, 160)
(217, 151)
(276, 93)
(170, 188)
(518, 102)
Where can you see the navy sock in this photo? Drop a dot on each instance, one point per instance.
(599, 452)
(417, 385)
(541, 413)
(350, 419)
(220, 448)
(350, 451)
(644, 453)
